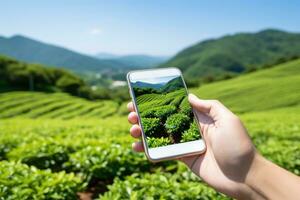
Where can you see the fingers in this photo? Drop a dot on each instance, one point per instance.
(130, 107)
(199, 104)
(135, 131)
(133, 118)
(138, 146)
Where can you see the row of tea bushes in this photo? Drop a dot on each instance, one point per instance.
(20, 181)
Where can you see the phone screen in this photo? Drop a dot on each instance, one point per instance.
(166, 115)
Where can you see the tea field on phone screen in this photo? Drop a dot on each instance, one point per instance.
(55, 146)
(166, 115)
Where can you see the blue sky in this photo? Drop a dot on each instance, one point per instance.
(144, 27)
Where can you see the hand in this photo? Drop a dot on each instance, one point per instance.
(230, 157)
(229, 152)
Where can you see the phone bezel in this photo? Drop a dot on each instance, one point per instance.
(167, 151)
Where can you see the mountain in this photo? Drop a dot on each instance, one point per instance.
(172, 85)
(134, 61)
(142, 61)
(169, 86)
(106, 56)
(234, 54)
(140, 84)
(26, 49)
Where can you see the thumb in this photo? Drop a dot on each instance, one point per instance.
(212, 108)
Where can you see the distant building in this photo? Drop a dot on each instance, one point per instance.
(118, 83)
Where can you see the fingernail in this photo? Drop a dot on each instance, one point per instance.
(192, 96)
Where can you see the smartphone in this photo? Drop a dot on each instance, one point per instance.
(169, 126)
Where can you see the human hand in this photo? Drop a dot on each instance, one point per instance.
(230, 164)
(229, 153)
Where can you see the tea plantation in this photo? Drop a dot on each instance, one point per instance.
(52, 105)
(55, 146)
(167, 118)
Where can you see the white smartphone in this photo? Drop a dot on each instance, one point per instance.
(169, 126)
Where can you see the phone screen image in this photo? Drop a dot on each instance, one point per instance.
(165, 113)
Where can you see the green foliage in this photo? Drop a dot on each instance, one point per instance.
(159, 186)
(185, 107)
(19, 181)
(58, 105)
(163, 107)
(69, 84)
(140, 91)
(191, 134)
(158, 142)
(278, 151)
(275, 133)
(42, 154)
(106, 162)
(33, 77)
(176, 102)
(235, 54)
(38, 77)
(152, 127)
(148, 97)
(161, 112)
(176, 124)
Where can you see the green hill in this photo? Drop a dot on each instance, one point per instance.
(173, 84)
(21, 76)
(233, 54)
(30, 50)
(262, 90)
(18, 75)
(55, 106)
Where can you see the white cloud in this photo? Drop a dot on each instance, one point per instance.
(95, 31)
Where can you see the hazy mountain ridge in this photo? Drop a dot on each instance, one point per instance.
(141, 84)
(172, 85)
(30, 50)
(134, 60)
(169, 86)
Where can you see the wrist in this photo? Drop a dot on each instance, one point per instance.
(263, 178)
(256, 168)
(257, 171)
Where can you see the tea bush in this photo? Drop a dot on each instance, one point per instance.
(42, 154)
(157, 142)
(56, 105)
(185, 107)
(159, 186)
(152, 127)
(105, 163)
(161, 112)
(19, 181)
(94, 149)
(176, 102)
(191, 134)
(285, 153)
(176, 124)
